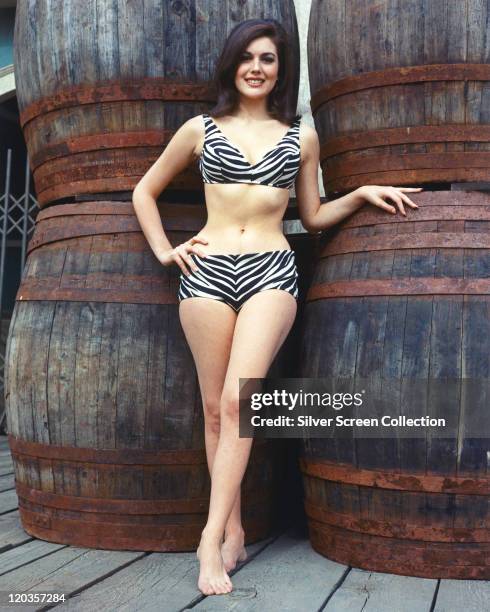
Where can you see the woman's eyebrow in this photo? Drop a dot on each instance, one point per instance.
(264, 53)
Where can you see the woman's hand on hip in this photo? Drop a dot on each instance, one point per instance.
(375, 194)
(180, 255)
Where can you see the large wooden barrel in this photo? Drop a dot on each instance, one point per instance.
(104, 412)
(400, 91)
(405, 302)
(103, 86)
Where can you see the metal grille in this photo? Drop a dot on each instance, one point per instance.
(17, 220)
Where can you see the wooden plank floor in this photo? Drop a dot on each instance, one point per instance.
(281, 574)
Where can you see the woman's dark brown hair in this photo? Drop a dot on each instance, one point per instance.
(282, 100)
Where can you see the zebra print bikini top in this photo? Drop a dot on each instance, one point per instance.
(222, 162)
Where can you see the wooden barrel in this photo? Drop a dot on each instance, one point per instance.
(407, 103)
(102, 87)
(406, 302)
(104, 412)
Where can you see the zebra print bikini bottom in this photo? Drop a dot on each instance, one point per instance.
(233, 279)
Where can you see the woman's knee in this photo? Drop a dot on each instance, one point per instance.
(211, 408)
(229, 405)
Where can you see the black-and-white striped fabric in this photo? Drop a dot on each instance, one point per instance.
(233, 279)
(222, 162)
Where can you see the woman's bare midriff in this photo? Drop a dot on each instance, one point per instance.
(244, 218)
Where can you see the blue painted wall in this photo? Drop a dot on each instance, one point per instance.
(7, 19)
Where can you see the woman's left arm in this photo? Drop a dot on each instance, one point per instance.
(317, 217)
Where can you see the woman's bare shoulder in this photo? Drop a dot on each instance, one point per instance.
(308, 132)
(193, 129)
(194, 125)
(309, 141)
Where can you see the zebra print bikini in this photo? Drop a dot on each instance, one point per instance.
(234, 278)
(222, 162)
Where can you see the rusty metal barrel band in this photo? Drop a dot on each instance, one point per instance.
(115, 296)
(120, 90)
(123, 456)
(109, 219)
(402, 481)
(343, 243)
(103, 224)
(425, 212)
(87, 530)
(112, 506)
(416, 134)
(125, 506)
(389, 528)
(385, 161)
(400, 286)
(407, 557)
(185, 181)
(101, 142)
(413, 134)
(91, 167)
(121, 535)
(407, 177)
(106, 207)
(399, 75)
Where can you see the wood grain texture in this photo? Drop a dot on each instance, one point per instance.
(103, 402)
(389, 76)
(408, 345)
(133, 70)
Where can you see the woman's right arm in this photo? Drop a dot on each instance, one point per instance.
(179, 153)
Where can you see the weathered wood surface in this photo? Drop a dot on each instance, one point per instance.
(378, 592)
(115, 81)
(6, 466)
(8, 501)
(281, 574)
(11, 531)
(156, 578)
(104, 405)
(7, 482)
(467, 595)
(418, 342)
(396, 108)
(288, 575)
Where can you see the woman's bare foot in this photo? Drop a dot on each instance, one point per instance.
(233, 549)
(213, 579)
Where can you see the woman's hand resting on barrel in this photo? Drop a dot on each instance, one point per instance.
(180, 254)
(375, 194)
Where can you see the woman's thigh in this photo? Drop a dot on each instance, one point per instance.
(208, 327)
(262, 325)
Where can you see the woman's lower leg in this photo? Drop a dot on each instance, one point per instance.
(229, 464)
(233, 547)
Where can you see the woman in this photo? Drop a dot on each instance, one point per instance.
(238, 286)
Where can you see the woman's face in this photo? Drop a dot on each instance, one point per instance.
(260, 62)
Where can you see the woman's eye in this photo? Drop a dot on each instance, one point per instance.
(265, 59)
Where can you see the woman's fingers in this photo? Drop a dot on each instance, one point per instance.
(408, 201)
(384, 205)
(397, 199)
(393, 193)
(409, 188)
(180, 263)
(184, 257)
